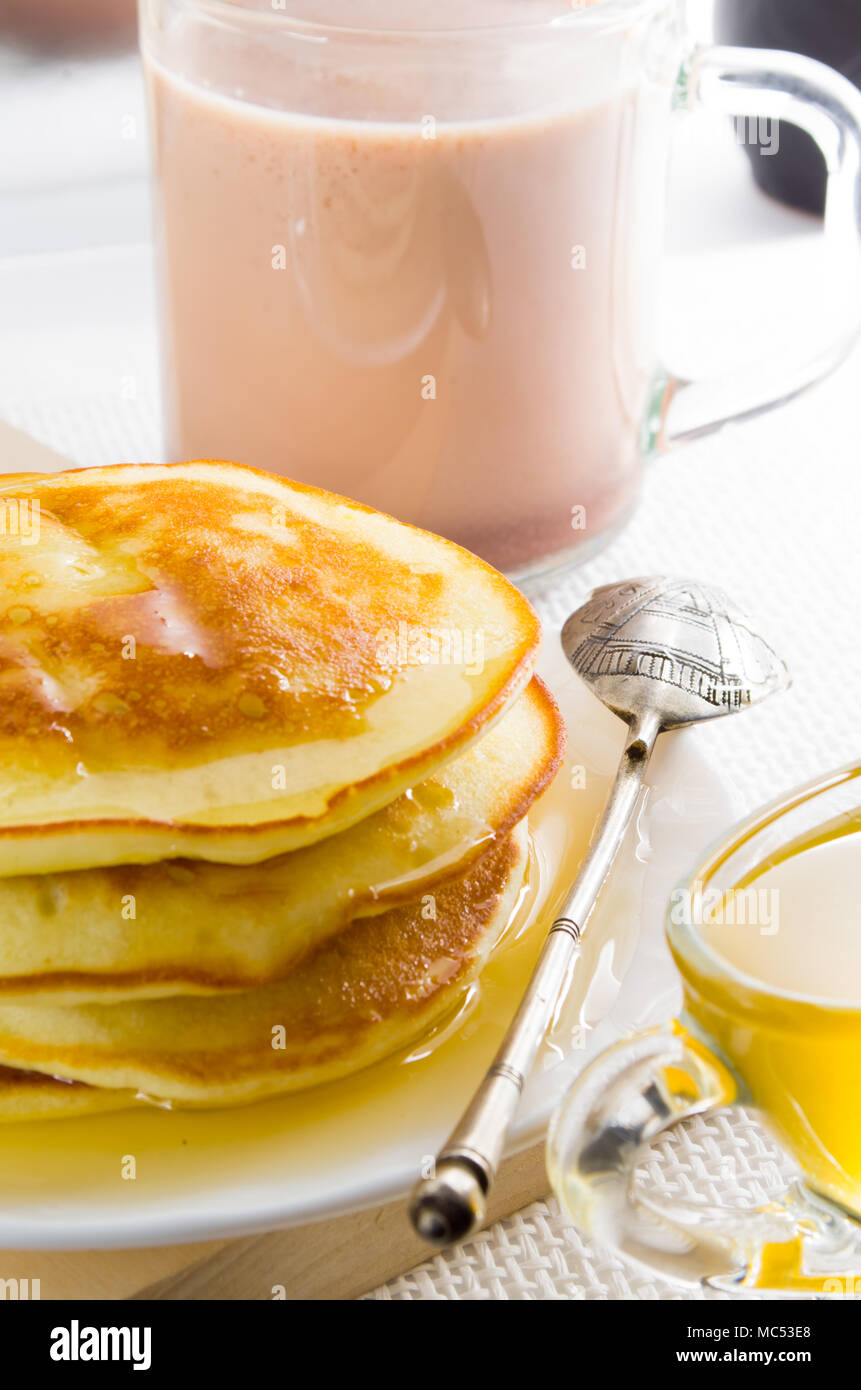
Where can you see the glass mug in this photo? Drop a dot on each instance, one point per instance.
(407, 251)
(747, 1034)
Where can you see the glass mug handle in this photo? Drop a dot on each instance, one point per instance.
(779, 86)
(628, 1096)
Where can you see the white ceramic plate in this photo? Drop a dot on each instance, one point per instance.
(200, 1176)
(77, 358)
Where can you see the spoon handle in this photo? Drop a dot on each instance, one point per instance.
(452, 1203)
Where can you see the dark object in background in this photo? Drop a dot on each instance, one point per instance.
(829, 30)
(68, 24)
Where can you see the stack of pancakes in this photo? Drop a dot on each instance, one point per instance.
(265, 758)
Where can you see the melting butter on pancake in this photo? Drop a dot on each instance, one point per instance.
(138, 931)
(205, 661)
(369, 992)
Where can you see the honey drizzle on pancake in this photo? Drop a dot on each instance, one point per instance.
(200, 1148)
(192, 1160)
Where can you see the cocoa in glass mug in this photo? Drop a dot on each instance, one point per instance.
(407, 251)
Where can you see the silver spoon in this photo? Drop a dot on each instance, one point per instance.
(660, 653)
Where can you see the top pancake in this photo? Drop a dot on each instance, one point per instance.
(198, 659)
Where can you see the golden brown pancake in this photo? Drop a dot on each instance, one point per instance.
(30, 1095)
(187, 926)
(363, 995)
(205, 661)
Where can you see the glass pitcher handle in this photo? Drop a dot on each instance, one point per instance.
(628, 1096)
(755, 82)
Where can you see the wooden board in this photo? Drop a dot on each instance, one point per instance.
(338, 1259)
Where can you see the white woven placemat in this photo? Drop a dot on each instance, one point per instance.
(768, 510)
